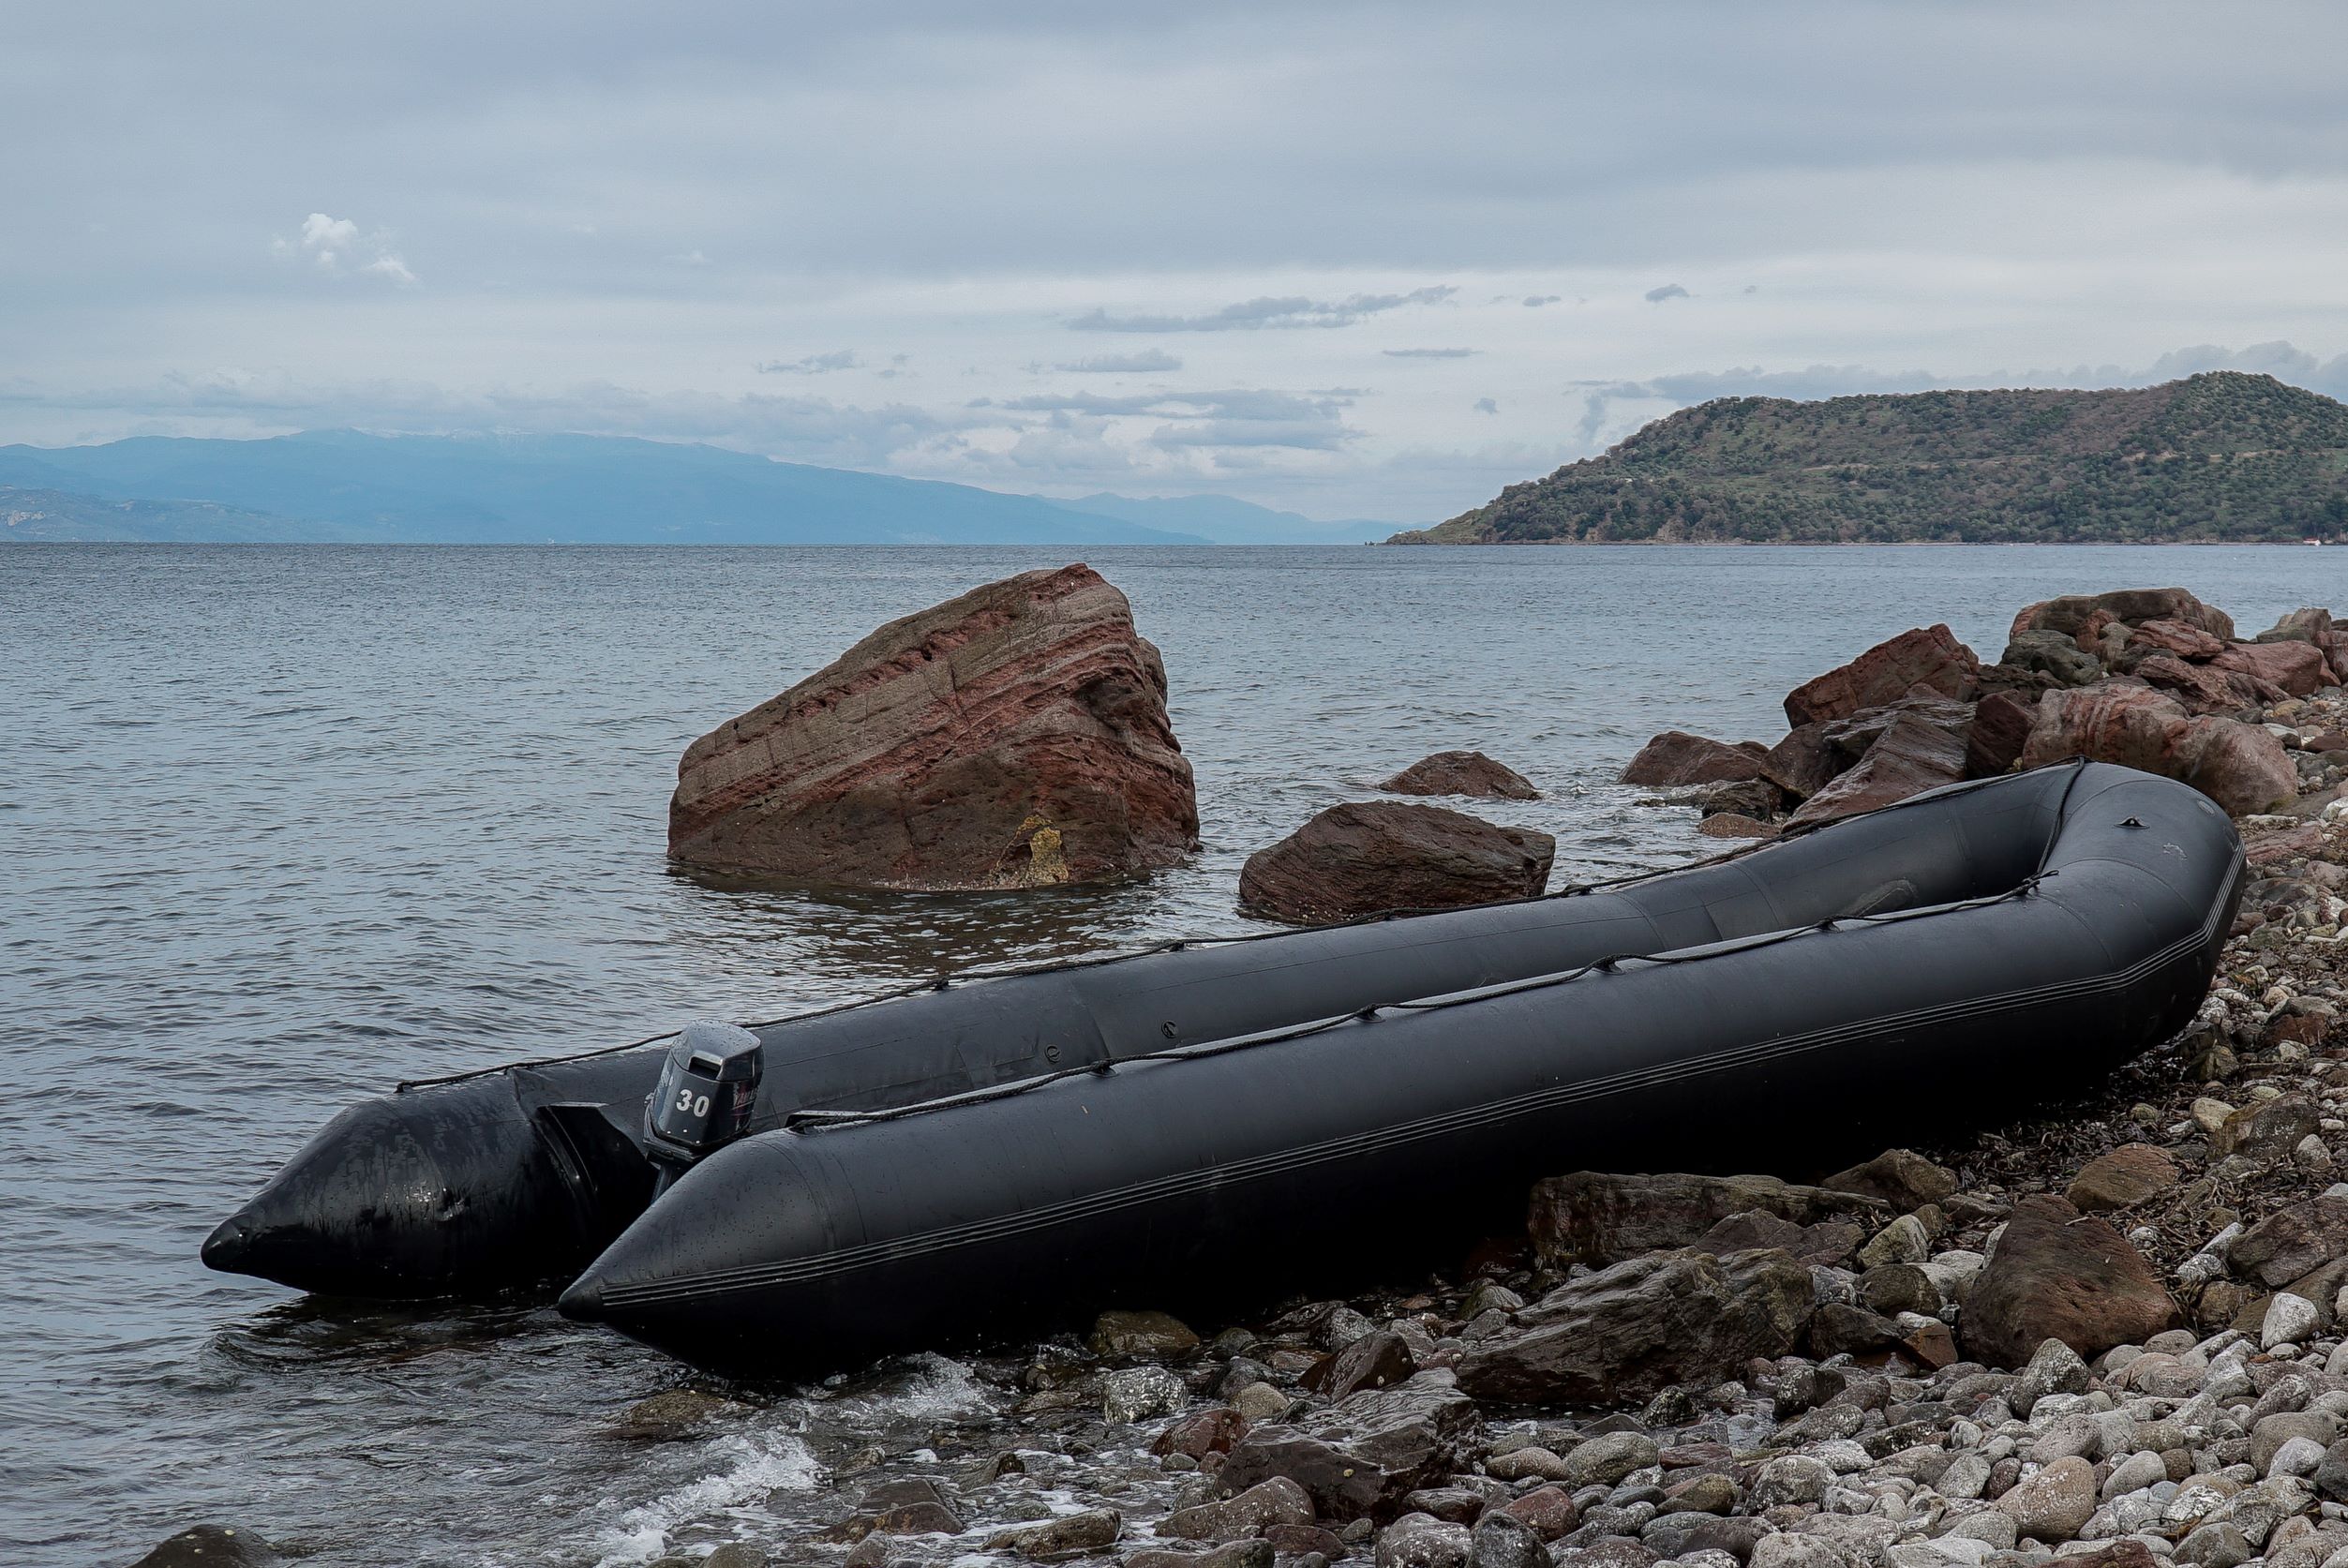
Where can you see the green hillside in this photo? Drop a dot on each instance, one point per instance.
(2218, 457)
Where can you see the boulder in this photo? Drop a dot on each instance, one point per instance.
(2121, 1179)
(1243, 1514)
(1462, 773)
(1373, 1361)
(1359, 1458)
(2241, 766)
(1901, 1177)
(1142, 1334)
(1735, 824)
(2298, 667)
(2267, 1130)
(1804, 761)
(1422, 1541)
(1994, 741)
(1675, 758)
(1636, 1327)
(1914, 754)
(1928, 657)
(2054, 1504)
(2307, 624)
(1371, 858)
(2054, 653)
(2199, 688)
(2173, 637)
(2074, 612)
(2059, 1275)
(212, 1546)
(1012, 736)
(1594, 1216)
(1829, 1242)
(1212, 1430)
(2293, 1242)
(1070, 1532)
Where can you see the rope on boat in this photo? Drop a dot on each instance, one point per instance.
(808, 1120)
(1174, 944)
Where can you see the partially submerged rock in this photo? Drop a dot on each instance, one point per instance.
(212, 1546)
(1376, 856)
(1469, 773)
(1013, 735)
(1676, 759)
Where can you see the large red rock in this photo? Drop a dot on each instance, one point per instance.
(2000, 728)
(1014, 735)
(1675, 758)
(1912, 755)
(2201, 688)
(1377, 856)
(2241, 767)
(2059, 1275)
(2090, 612)
(2298, 667)
(1929, 657)
(1804, 761)
(1470, 773)
(2174, 637)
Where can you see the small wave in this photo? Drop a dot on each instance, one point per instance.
(759, 1463)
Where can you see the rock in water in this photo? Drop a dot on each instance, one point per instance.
(1012, 736)
(1675, 759)
(1373, 857)
(1470, 773)
(2059, 1275)
(212, 1546)
(1630, 1330)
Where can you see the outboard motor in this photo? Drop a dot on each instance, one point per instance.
(703, 1102)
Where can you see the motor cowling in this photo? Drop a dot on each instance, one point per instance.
(708, 1088)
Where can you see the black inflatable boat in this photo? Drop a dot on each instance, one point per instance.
(1221, 1122)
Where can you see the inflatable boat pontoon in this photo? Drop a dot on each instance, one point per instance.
(1224, 1122)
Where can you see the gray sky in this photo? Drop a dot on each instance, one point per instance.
(1350, 260)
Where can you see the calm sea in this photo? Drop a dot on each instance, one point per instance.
(281, 826)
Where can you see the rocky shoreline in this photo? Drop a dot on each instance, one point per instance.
(2113, 1330)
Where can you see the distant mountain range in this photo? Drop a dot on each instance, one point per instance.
(343, 487)
(2216, 458)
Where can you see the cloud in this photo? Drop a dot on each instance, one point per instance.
(1428, 353)
(334, 246)
(1268, 312)
(1485, 405)
(1668, 291)
(1101, 364)
(1237, 418)
(815, 365)
(1535, 302)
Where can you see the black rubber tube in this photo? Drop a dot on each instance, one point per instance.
(2011, 942)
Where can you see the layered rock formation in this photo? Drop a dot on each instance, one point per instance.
(1014, 735)
(2149, 678)
(1373, 857)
